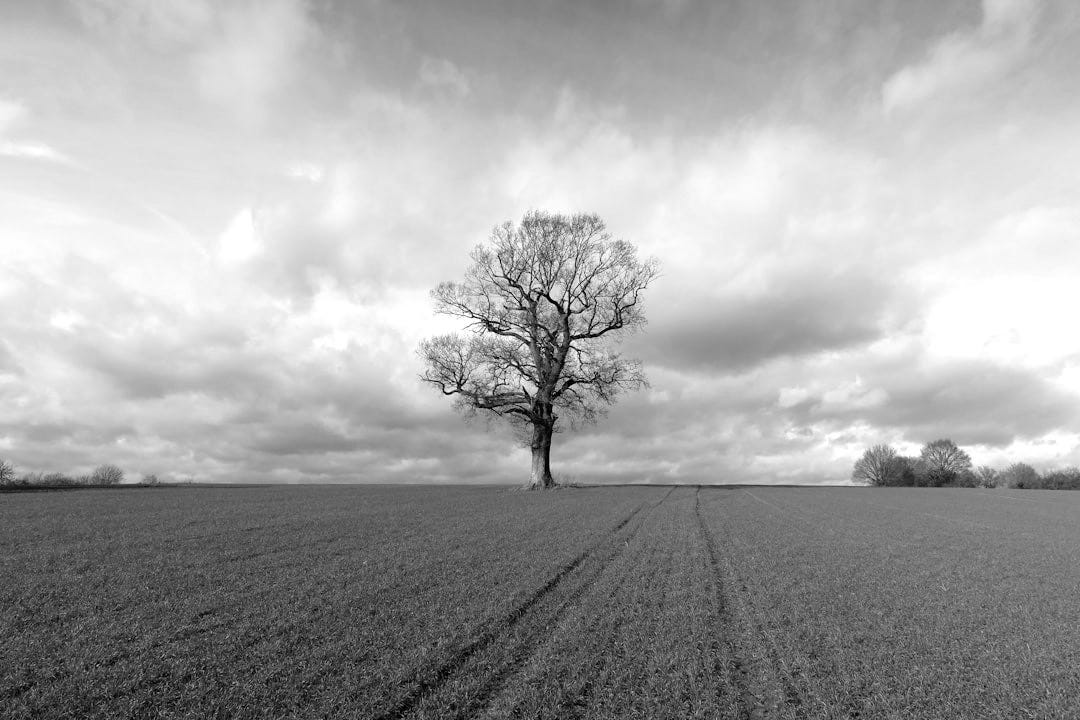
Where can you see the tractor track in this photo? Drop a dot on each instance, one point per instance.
(528, 648)
(427, 684)
(750, 656)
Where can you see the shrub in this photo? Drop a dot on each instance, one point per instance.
(1063, 479)
(877, 466)
(56, 478)
(31, 478)
(1021, 476)
(967, 479)
(988, 476)
(150, 479)
(7, 473)
(944, 462)
(107, 474)
(910, 470)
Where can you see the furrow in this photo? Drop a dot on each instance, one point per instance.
(766, 688)
(434, 680)
(540, 631)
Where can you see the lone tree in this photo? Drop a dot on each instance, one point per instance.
(879, 465)
(543, 302)
(944, 462)
(7, 472)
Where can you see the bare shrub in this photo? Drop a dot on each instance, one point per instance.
(944, 462)
(1020, 476)
(31, 478)
(1063, 479)
(7, 473)
(879, 465)
(57, 479)
(107, 474)
(988, 476)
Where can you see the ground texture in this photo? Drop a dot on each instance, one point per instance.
(399, 602)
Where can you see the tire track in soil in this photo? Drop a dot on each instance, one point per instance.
(565, 704)
(439, 677)
(574, 704)
(765, 686)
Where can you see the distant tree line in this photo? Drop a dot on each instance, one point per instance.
(942, 464)
(103, 475)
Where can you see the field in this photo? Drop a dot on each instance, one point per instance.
(632, 602)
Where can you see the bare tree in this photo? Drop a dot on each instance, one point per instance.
(879, 465)
(944, 461)
(7, 472)
(543, 302)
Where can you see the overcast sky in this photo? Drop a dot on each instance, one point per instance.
(219, 223)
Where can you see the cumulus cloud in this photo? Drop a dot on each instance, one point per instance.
(967, 58)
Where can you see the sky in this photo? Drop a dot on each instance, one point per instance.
(221, 221)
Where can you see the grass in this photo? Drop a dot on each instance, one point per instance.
(421, 602)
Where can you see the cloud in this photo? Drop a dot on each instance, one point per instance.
(242, 55)
(13, 114)
(966, 59)
(905, 392)
(441, 73)
(239, 241)
(794, 315)
(253, 54)
(163, 24)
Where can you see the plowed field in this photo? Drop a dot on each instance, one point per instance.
(632, 602)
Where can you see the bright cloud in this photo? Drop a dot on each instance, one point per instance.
(13, 115)
(968, 58)
(253, 54)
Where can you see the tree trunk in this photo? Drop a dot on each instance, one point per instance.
(541, 479)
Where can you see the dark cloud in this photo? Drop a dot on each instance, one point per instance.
(970, 401)
(792, 317)
(976, 402)
(185, 359)
(71, 432)
(300, 437)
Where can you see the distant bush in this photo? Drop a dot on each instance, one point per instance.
(107, 474)
(150, 479)
(944, 462)
(58, 479)
(879, 465)
(1020, 476)
(1063, 479)
(31, 478)
(988, 476)
(910, 470)
(7, 473)
(966, 478)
